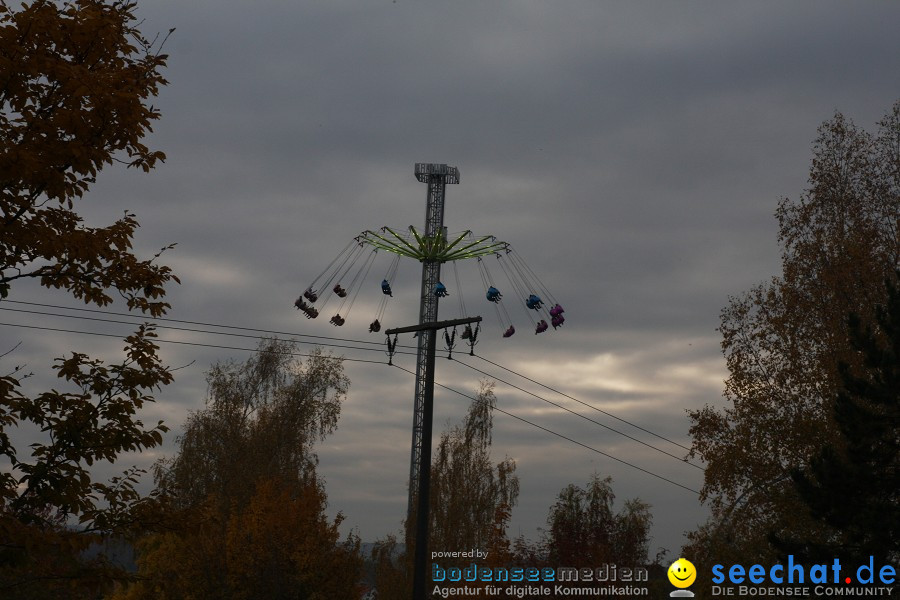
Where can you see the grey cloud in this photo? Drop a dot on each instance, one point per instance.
(632, 153)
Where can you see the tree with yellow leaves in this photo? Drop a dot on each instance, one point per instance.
(784, 342)
(248, 509)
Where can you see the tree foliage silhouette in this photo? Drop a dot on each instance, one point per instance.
(243, 487)
(76, 79)
(583, 531)
(471, 501)
(852, 485)
(784, 341)
(471, 497)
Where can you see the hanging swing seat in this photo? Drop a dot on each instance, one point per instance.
(534, 302)
(509, 332)
(440, 290)
(386, 288)
(375, 326)
(341, 292)
(493, 294)
(557, 321)
(541, 327)
(311, 295)
(467, 333)
(337, 320)
(556, 310)
(309, 311)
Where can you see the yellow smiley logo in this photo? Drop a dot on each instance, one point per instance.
(682, 573)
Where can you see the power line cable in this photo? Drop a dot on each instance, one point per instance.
(188, 329)
(201, 323)
(180, 342)
(300, 354)
(586, 418)
(583, 445)
(609, 414)
(330, 339)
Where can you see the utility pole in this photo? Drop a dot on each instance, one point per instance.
(424, 475)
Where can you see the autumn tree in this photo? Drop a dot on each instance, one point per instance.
(393, 569)
(76, 79)
(471, 499)
(852, 485)
(583, 530)
(262, 419)
(75, 82)
(784, 340)
(245, 487)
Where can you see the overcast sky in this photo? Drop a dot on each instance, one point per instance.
(632, 152)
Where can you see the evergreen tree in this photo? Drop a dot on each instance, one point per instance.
(853, 484)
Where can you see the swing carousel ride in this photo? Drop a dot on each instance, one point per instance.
(341, 281)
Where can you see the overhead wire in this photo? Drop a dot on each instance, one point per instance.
(328, 343)
(559, 435)
(220, 346)
(591, 406)
(577, 414)
(186, 322)
(192, 330)
(180, 342)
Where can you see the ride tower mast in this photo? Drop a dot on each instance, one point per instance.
(436, 176)
(432, 248)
